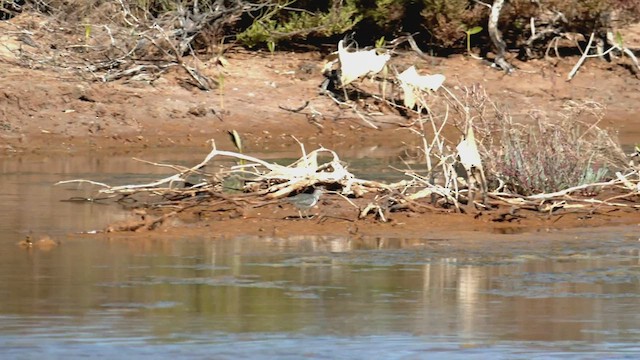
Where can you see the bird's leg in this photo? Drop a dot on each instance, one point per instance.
(307, 216)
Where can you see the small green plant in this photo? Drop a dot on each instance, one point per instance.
(474, 30)
(271, 45)
(380, 43)
(592, 175)
(87, 33)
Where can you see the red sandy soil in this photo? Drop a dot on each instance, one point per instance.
(46, 109)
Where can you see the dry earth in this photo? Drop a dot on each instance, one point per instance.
(49, 109)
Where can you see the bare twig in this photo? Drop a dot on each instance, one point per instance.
(584, 56)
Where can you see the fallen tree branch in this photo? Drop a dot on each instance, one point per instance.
(577, 188)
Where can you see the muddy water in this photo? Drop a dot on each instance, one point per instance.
(563, 294)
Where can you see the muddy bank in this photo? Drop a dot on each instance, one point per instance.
(283, 222)
(46, 110)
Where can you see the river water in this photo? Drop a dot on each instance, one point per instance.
(569, 294)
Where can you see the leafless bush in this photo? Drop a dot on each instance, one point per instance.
(126, 38)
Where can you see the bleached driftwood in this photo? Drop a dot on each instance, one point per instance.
(273, 180)
(619, 180)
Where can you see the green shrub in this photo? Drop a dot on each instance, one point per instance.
(446, 20)
(387, 17)
(281, 22)
(441, 22)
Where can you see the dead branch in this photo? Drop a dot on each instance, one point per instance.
(556, 194)
(584, 56)
(601, 53)
(496, 37)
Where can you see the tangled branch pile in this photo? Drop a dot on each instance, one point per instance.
(141, 42)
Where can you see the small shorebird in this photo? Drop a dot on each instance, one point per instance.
(305, 201)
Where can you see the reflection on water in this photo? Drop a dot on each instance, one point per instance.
(32, 204)
(287, 295)
(495, 296)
